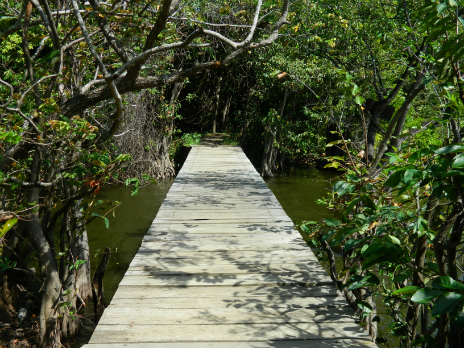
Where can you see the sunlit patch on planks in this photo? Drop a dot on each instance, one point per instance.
(223, 266)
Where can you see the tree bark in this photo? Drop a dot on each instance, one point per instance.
(99, 303)
(216, 108)
(225, 111)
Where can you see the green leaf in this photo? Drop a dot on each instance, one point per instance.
(332, 222)
(352, 243)
(342, 188)
(402, 276)
(373, 260)
(452, 173)
(359, 100)
(394, 179)
(363, 281)
(461, 21)
(352, 177)
(8, 226)
(406, 290)
(394, 240)
(446, 303)
(66, 292)
(433, 266)
(446, 282)
(342, 234)
(107, 222)
(328, 235)
(364, 306)
(426, 295)
(352, 205)
(449, 148)
(441, 8)
(369, 202)
(409, 174)
(458, 161)
(374, 248)
(452, 3)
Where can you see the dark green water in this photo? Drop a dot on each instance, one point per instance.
(299, 189)
(126, 230)
(131, 222)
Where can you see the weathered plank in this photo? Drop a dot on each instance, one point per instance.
(168, 268)
(264, 279)
(335, 343)
(220, 227)
(230, 315)
(183, 332)
(252, 292)
(281, 302)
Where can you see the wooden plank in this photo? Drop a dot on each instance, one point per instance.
(231, 315)
(252, 292)
(318, 278)
(192, 246)
(183, 332)
(324, 343)
(245, 227)
(220, 236)
(160, 267)
(239, 256)
(280, 302)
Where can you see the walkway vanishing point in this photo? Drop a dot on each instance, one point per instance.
(222, 266)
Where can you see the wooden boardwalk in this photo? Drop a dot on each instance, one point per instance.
(222, 266)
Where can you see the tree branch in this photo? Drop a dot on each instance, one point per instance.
(108, 33)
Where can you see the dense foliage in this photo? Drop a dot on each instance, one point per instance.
(398, 224)
(97, 92)
(67, 128)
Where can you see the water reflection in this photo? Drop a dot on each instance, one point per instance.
(298, 190)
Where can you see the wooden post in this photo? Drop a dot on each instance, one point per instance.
(99, 303)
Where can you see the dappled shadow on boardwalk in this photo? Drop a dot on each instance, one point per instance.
(223, 263)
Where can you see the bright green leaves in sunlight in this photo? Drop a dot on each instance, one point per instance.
(445, 295)
(341, 188)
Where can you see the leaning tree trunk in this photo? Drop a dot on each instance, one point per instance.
(81, 252)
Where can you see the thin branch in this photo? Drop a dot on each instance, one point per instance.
(10, 97)
(46, 23)
(108, 33)
(160, 24)
(40, 48)
(217, 25)
(20, 101)
(120, 135)
(108, 78)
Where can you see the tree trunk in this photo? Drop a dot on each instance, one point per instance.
(81, 252)
(99, 303)
(225, 112)
(266, 161)
(216, 109)
(396, 124)
(245, 125)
